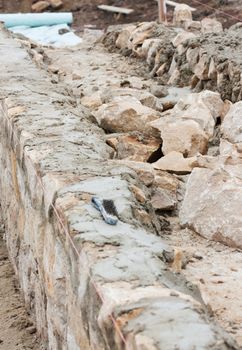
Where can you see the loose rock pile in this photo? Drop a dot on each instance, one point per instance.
(199, 133)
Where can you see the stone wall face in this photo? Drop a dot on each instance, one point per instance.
(203, 60)
(90, 285)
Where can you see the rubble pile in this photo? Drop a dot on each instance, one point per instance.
(200, 133)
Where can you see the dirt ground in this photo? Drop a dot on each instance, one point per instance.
(86, 11)
(17, 331)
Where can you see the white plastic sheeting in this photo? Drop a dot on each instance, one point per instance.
(49, 35)
(35, 19)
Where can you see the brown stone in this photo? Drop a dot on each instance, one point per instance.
(133, 147)
(174, 162)
(124, 115)
(122, 41)
(138, 193)
(145, 171)
(142, 32)
(93, 102)
(163, 200)
(56, 4)
(40, 6)
(165, 180)
(143, 217)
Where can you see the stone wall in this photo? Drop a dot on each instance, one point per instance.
(89, 285)
(205, 58)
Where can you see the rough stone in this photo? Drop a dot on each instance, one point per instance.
(40, 6)
(181, 135)
(143, 217)
(124, 115)
(207, 161)
(212, 100)
(214, 57)
(204, 108)
(182, 14)
(202, 67)
(163, 200)
(147, 99)
(138, 193)
(164, 191)
(166, 181)
(182, 38)
(212, 204)
(159, 90)
(211, 25)
(194, 26)
(92, 102)
(173, 96)
(174, 162)
(232, 124)
(132, 147)
(230, 151)
(56, 4)
(149, 49)
(189, 126)
(145, 171)
(122, 41)
(142, 32)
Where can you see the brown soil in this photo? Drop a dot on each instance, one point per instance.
(17, 331)
(87, 13)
